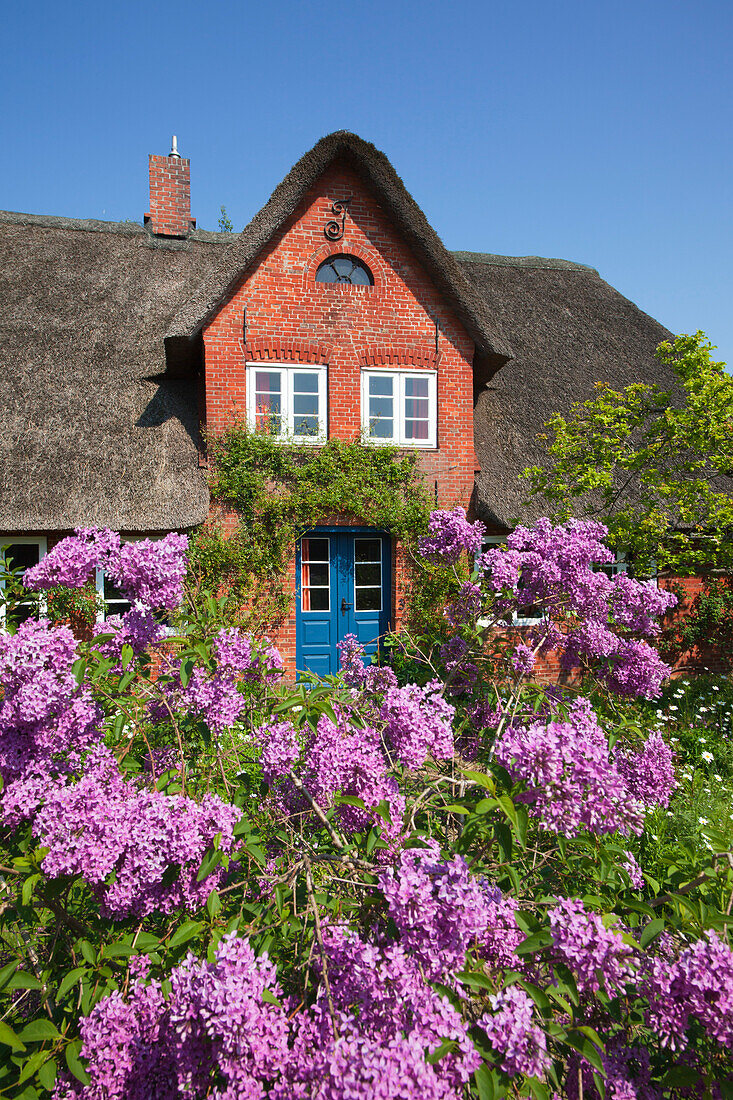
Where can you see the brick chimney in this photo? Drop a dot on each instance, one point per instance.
(170, 194)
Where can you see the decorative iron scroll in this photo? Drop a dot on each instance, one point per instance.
(334, 229)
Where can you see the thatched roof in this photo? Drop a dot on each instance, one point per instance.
(98, 354)
(568, 329)
(373, 167)
(90, 435)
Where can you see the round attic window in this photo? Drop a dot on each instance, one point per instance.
(344, 269)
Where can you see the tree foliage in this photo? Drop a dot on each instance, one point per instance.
(651, 463)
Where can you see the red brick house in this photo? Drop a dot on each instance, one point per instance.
(336, 311)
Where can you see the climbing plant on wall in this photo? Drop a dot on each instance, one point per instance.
(274, 491)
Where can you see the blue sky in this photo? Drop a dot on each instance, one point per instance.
(595, 131)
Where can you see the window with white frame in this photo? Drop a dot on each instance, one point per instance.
(287, 402)
(19, 553)
(399, 407)
(110, 600)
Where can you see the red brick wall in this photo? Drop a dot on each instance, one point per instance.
(291, 318)
(170, 196)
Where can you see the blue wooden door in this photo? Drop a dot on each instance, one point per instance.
(343, 586)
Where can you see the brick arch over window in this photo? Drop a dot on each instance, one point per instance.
(369, 257)
(384, 355)
(286, 351)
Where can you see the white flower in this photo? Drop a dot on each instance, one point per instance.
(702, 820)
(718, 778)
(703, 740)
(674, 708)
(670, 814)
(715, 687)
(707, 757)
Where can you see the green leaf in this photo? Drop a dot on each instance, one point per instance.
(119, 950)
(476, 980)
(213, 904)
(487, 1082)
(88, 952)
(38, 1030)
(536, 942)
(72, 1061)
(8, 1037)
(650, 933)
(68, 980)
(127, 654)
(186, 669)
(186, 932)
(584, 1046)
(47, 1074)
(32, 1064)
(538, 1088)
(28, 887)
(270, 998)
(7, 972)
(22, 980)
(146, 941)
(209, 863)
(481, 778)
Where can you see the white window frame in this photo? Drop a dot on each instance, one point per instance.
(41, 541)
(287, 372)
(398, 438)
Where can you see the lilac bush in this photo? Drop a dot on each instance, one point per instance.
(407, 881)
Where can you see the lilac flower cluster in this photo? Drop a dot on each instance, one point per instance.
(216, 696)
(137, 628)
(104, 823)
(501, 935)
(649, 774)
(341, 757)
(149, 572)
(553, 567)
(280, 749)
(512, 1032)
(418, 723)
(225, 1031)
(467, 605)
(697, 985)
(373, 679)
(571, 779)
(596, 955)
(438, 907)
(574, 781)
(449, 535)
(522, 659)
(47, 721)
(456, 658)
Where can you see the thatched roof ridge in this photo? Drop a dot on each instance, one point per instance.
(92, 434)
(376, 170)
(568, 329)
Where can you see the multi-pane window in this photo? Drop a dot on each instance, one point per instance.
(527, 614)
(399, 407)
(315, 582)
(287, 402)
(367, 574)
(344, 269)
(19, 554)
(110, 599)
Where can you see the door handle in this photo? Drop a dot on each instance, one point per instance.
(344, 606)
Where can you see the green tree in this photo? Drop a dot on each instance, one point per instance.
(225, 224)
(651, 463)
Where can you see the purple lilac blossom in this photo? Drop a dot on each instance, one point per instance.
(341, 758)
(104, 823)
(151, 571)
(73, 561)
(280, 749)
(512, 1032)
(572, 780)
(418, 723)
(553, 567)
(596, 955)
(633, 870)
(47, 721)
(522, 659)
(462, 672)
(502, 935)
(649, 774)
(466, 607)
(698, 984)
(137, 628)
(450, 534)
(438, 907)
(351, 654)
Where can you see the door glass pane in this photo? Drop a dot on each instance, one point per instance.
(315, 574)
(367, 574)
(367, 549)
(369, 599)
